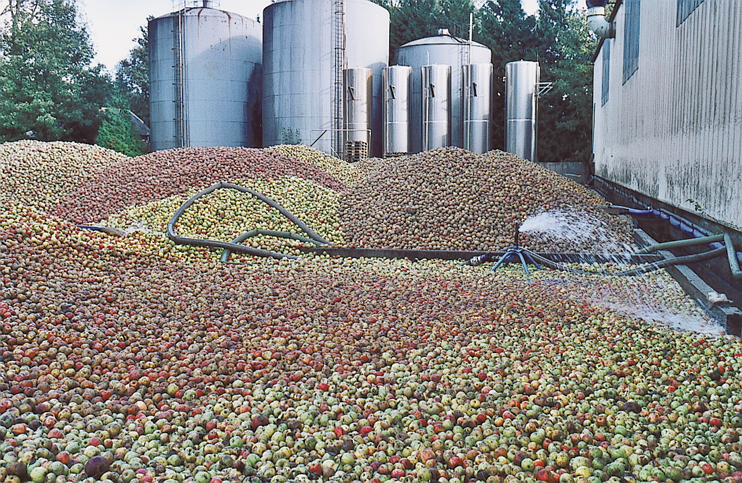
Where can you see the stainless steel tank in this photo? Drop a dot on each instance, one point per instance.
(521, 108)
(300, 86)
(477, 107)
(396, 88)
(436, 102)
(358, 112)
(446, 50)
(205, 79)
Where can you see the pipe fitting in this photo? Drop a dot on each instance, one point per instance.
(598, 24)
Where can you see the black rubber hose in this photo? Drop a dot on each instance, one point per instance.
(233, 247)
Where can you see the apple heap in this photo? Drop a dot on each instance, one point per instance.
(40, 174)
(152, 177)
(349, 174)
(451, 199)
(118, 364)
(225, 214)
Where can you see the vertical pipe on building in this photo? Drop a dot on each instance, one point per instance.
(180, 109)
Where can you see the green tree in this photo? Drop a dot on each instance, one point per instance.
(117, 132)
(410, 20)
(50, 90)
(132, 75)
(565, 113)
(454, 16)
(558, 38)
(506, 29)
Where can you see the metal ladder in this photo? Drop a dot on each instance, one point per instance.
(338, 30)
(179, 67)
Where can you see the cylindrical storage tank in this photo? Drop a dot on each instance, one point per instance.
(444, 50)
(396, 87)
(300, 86)
(436, 102)
(477, 107)
(358, 112)
(205, 79)
(521, 108)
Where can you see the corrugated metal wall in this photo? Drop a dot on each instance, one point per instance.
(673, 129)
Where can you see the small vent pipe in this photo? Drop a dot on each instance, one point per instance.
(596, 19)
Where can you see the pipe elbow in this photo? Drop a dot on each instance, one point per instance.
(598, 24)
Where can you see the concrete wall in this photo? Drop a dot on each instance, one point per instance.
(576, 171)
(673, 129)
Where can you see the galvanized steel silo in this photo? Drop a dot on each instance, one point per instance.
(436, 102)
(445, 50)
(477, 107)
(521, 108)
(205, 79)
(396, 89)
(358, 112)
(301, 89)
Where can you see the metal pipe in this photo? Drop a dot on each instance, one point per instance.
(700, 234)
(598, 24)
(699, 257)
(681, 243)
(732, 255)
(104, 229)
(687, 227)
(490, 256)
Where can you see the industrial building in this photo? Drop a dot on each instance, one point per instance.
(205, 79)
(667, 134)
(437, 115)
(667, 104)
(317, 73)
(307, 45)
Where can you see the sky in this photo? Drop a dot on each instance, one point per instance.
(114, 24)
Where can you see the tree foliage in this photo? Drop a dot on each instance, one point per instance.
(49, 88)
(132, 75)
(510, 34)
(565, 112)
(117, 132)
(557, 38)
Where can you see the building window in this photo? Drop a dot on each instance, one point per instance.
(605, 79)
(685, 8)
(631, 38)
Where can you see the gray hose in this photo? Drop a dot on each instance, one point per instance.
(682, 243)
(233, 247)
(650, 267)
(732, 255)
(258, 231)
